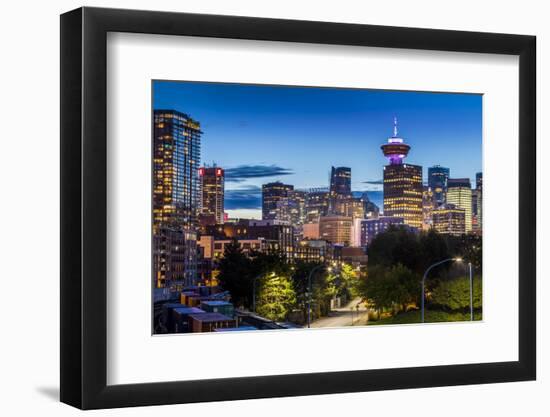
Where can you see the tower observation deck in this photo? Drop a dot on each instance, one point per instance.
(396, 149)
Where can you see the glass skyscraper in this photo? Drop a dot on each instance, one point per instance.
(272, 194)
(437, 181)
(176, 158)
(340, 181)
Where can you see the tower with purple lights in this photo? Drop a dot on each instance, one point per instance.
(402, 182)
(396, 149)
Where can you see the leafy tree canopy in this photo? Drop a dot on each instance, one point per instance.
(455, 294)
(236, 274)
(389, 286)
(276, 297)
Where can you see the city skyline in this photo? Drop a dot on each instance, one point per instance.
(298, 243)
(345, 126)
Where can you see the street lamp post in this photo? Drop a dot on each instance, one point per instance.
(422, 295)
(309, 293)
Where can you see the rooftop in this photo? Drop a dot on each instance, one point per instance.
(235, 329)
(216, 303)
(189, 310)
(203, 317)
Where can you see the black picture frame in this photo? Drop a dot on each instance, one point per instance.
(84, 207)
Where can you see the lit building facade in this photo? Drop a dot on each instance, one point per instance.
(316, 205)
(212, 181)
(437, 181)
(176, 199)
(336, 229)
(402, 183)
(348, 206)
(176, 157)
(340, 181)
(292, 209)
(310, 230)
(270, 230)
(310, 251)
(174, 257)
(370, 228)
(448, 219)
(272, 193)
(459, 194)
(248, 246)
(428, 206)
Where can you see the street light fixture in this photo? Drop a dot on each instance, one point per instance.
(422, 295)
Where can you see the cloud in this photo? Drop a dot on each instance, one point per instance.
(244, 172)
(249, 197)
(373, 185)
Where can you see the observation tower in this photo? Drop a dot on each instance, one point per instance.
(396, 149)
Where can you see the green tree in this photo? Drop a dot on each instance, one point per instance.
(433, 247)
(347, 281)
(269, 262)
(397, 245)
(455, 294)
(236, 274)
(300, 284)
(276, 297)
(469, 247)
(387, 287)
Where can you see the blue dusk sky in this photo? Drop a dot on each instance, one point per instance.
(262, 133)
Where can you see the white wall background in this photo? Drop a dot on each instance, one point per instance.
(29, 206)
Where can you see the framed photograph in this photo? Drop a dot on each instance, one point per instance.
(258, 208)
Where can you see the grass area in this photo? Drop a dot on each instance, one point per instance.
(430, 316)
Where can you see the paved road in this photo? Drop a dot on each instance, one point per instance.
(342, 317)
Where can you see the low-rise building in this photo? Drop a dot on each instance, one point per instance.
(372, 227)
(208, 322)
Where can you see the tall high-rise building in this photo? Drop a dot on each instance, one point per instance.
(292, 209)
(402, 183)
(316, 205)
(428, 206)
(459, 193)
(475, 225)
(449, 220)
(340, 190)
(212, 192)
(437, 181)
(272, 193)
(340, 181)
(176, 157)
